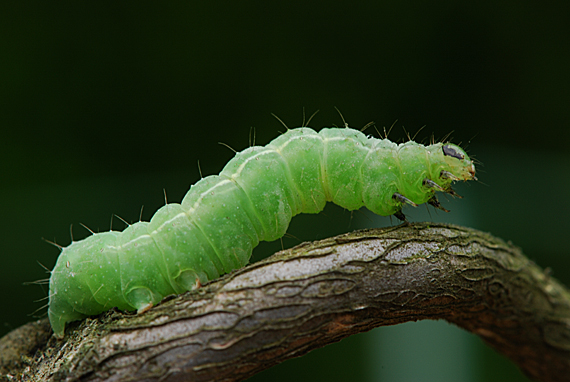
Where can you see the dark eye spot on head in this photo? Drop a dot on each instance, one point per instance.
(451, 152)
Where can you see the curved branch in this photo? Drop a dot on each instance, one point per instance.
(317, 293)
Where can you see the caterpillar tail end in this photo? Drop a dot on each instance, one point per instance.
(60, 313)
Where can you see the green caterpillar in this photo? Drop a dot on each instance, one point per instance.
(223, 217)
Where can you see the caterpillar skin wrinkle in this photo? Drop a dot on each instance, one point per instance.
(223, 217)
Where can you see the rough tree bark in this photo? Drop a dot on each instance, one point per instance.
(309, 296)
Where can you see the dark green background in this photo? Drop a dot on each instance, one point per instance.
(105, 104)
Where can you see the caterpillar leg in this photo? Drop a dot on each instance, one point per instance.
(402, 199)
(447, 175)
(145, 308)
(400, 216)
(190, 280)
(451, 192)
(140, 298)
(435, 203)
(430, 183)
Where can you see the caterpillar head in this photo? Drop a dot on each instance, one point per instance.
(458, 162)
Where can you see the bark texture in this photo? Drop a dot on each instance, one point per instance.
(312, 295)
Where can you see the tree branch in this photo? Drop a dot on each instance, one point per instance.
(315, 294)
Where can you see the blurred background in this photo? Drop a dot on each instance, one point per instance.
(106, 106)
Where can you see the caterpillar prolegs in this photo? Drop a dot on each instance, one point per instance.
(223, 217)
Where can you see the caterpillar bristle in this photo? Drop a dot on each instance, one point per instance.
(341, 117)
(123, 220)
(44, 267)
(417, 132)
(33, 314)
(407, 134)
(52, 243)
(42, 299)
(311, 117)
(251, 142)
(389, 130)
(87, 228)
(446, 136)
(279, 119)
(200, 170)
(37, 282)
(371, 123)
(228, 146)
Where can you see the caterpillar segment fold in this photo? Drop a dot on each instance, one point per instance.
(253, 199)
